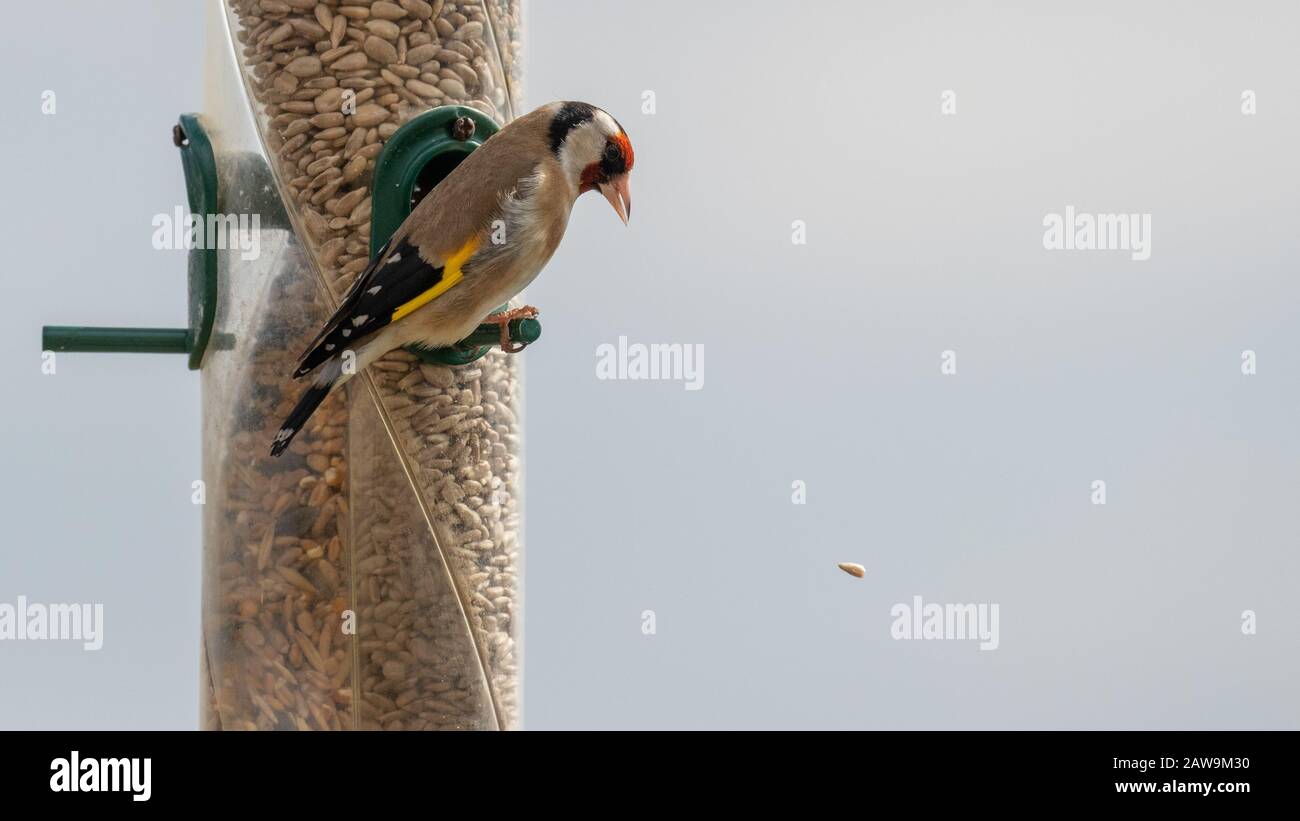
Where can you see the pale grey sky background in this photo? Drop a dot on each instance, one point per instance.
(822, 365)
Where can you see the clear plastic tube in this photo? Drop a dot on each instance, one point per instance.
(370, 577)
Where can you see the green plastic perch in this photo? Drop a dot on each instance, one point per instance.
(81, 339)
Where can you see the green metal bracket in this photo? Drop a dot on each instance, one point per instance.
(201, 186)
(413, 161)
(114, 340)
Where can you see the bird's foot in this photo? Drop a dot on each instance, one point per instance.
(503, 320)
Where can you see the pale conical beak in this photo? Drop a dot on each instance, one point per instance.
(619, 195)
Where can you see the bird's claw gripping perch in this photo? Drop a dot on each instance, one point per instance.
(503, 320)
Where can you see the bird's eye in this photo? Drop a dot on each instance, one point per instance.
(612, 153)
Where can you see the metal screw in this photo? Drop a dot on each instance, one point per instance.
(463, 128)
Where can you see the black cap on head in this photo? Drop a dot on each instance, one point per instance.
(569, 117)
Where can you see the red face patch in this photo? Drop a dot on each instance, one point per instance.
(626, 147)
(590, 176)
(610, 164)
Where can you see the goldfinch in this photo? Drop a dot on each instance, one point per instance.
(441, 274)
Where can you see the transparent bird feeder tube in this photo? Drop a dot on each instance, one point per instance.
(369, 578)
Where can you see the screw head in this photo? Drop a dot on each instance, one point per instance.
(463, 128)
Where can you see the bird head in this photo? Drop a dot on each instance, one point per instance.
(595, 152)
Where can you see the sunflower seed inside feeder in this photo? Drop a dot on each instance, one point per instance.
(853, 569)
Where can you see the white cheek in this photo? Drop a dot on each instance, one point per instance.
(582, 148)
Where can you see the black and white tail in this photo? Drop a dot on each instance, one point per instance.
(329, 378)
(307, 405)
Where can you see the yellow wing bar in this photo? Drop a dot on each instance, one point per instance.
(451, 274)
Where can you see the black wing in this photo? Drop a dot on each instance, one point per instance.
(399, 277)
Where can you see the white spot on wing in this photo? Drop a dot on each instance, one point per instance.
(394, 258)
(374, 290)
(329, 346)
(347, 332)
(358, 321)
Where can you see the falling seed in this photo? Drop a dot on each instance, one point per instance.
(853, 569)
